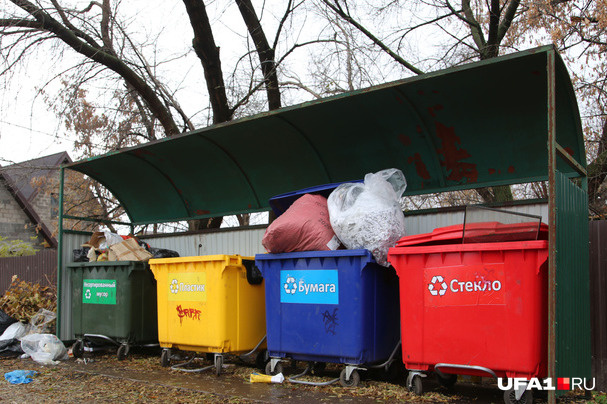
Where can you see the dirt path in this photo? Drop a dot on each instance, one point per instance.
(141, 379)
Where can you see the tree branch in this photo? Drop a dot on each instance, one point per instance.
(337, 9)
(475, 28)
(507, 19)
(104, 58)
(266, 54)
(208, 53)
(70, 26)
(21, 23)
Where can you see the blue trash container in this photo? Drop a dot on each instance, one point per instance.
(330, 307)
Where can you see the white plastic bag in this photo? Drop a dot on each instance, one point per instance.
(45, 349)
(110, 240)
(369, 215)
(41, 322)
(15, 330)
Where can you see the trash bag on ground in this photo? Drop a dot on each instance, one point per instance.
(41, 322)
(369, 215)
(15, 330)
(10, 348)
(5, 321)
(45, 349)
(305, 226)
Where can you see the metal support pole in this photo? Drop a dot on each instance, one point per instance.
(60, 252)
(551, 221)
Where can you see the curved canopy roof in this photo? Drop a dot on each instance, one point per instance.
(477, 125)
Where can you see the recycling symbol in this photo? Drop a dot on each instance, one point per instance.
(437, 286)
(87, 294)
(174, 286)
(290, 286)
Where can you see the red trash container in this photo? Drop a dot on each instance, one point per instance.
(474, 309)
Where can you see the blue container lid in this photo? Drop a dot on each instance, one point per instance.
(361, 252)
(280, 203)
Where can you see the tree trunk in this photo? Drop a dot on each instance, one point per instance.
(208, 53)
(265, 52)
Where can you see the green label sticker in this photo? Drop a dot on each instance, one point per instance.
(99, 291)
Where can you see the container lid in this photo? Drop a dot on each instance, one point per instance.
(361, 252)
(280, 203)
(482, 232)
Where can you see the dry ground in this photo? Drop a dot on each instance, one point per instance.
(140, 379)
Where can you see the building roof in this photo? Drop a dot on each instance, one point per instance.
(18, 179)
(22, 173)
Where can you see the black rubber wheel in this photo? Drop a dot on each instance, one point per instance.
(352, 382)
(218, 364)
(318, 368)
(510, 397)
(78, 349)
(277, 369)
(122, 352)
(261, 359)
(165, 358)
(447, 380)
(416, 385)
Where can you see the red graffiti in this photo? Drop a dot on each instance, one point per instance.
(453, 155)
(432, 110)
(404, 139)
(420, 167)
(189, 313)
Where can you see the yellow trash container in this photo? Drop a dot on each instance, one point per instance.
(213, 304)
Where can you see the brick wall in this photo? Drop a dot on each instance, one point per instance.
(14, 223)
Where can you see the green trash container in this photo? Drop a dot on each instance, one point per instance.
(113, 302)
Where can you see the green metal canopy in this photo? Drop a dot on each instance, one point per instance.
(477, 125)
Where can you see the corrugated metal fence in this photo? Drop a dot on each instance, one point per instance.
(598, 299)
(40, 268)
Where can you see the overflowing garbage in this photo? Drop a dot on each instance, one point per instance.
(108, 246)
(354, 216)
(305, 226)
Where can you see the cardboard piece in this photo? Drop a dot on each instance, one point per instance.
(95, 240)
(130, 250)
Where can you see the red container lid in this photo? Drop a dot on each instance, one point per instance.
(481, 232)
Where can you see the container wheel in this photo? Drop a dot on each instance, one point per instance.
(318, 368)
(78, 349)
(352, 382)
(261, 359)
(416, 385)
(446, 380)
(122, 352)
(165, 358)
(277, 369)
(218, 364)
(510, 397)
